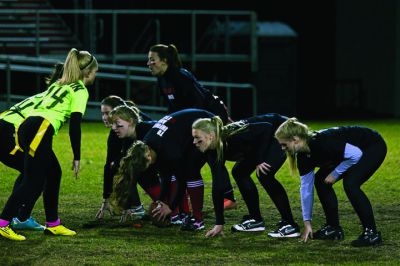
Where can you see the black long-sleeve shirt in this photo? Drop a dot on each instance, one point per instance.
(171, 139)
(251, 143)
(327, 146)
(182, 90)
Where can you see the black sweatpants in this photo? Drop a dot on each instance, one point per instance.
(353, 178)
(42, 173)
(241, 172)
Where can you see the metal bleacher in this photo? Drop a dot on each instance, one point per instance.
(31, 34)
(34, 36)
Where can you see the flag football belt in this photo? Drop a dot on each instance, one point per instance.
(36, 140)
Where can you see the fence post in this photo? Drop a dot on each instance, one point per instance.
(8, 83)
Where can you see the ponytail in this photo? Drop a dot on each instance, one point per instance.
(130, 166)
(168, 53)
(77, 65)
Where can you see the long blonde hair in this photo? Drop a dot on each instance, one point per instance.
(215, 125)
(130, 166)
(287, 131)
(76, 66)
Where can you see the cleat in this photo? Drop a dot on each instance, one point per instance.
(328, 232)
(59, 230)
(367, 238)
(250, 225)
(7, 232)
(29, 224)
(230, 204)
(192, 225)
(285, 230)
(179, 219)
(136, 213)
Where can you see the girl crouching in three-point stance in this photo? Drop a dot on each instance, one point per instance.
(351, 153)
(65, 98)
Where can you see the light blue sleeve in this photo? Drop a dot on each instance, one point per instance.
(352, 154)
(307, 194)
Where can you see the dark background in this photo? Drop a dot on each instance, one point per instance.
(345, 54)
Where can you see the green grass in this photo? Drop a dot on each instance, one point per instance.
(110, 243)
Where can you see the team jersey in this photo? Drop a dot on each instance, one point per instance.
(17, 113)
(171, 136)
(182, 91)
(327, 146)
(60, 101)
(171, 139)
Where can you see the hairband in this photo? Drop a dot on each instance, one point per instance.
(90, 61)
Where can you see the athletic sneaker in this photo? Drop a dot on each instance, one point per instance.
(29, 224)
(230, 204)
(138, 212)
(179, 218)
(7, 232)
(250, 225)
(135, 213)
(328, 232)
(59, 230)
(192, 225)
(285, 230)
(367, 238)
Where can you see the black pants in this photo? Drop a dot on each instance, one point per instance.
(16, 161)
(241, 173)
(353, 178)
(42, 173)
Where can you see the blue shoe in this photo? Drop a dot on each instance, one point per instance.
(29, 224)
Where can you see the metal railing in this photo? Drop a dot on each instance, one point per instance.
(109, 72)
(90, 16)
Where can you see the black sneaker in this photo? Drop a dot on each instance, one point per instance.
(367, 238)
(192, 225)
(285, 230)
(328, 232)
(249, 226)
(179, 219)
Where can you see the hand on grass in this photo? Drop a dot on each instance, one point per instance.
(307, 234)
(162, 211)
(218, 229)
(105, 207)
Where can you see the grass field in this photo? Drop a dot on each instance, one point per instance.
(111, 243)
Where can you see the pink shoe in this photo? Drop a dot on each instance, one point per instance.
(229, 204)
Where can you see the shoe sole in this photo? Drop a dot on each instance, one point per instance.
(49, 233)
(284, 236)
(38, 229)
(257, 229)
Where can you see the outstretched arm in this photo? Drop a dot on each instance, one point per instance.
(75, 138)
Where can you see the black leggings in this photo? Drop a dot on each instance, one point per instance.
(241, 173)
(42, 173)
(353, 178)
(16, 161)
